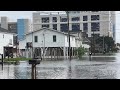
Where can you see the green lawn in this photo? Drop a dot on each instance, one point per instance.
(17, 59)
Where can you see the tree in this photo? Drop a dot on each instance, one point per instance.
(81, 51)
(108, 42)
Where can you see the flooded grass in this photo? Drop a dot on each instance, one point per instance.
(17, 59)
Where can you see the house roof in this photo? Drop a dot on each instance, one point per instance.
(50, 30)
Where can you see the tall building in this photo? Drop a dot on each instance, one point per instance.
(4, 22)
(23, 27)
(99, 23)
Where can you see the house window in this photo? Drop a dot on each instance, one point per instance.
(54, 38)
(36, 38)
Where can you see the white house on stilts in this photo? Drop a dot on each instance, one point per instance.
(48, 43)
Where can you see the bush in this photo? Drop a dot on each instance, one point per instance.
(80, 51)
(115, 49)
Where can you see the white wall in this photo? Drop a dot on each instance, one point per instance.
(22, 44)
(61, 40)
(5, 41)
(48, 39)
(72, 41)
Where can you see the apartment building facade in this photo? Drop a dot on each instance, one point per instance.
(99, 23)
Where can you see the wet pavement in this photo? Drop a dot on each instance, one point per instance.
(100, 67)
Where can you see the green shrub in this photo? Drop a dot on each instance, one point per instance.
(81, 51)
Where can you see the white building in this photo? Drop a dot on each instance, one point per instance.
(50, 41)
(4, 22)
(99, 22)
(6, 40)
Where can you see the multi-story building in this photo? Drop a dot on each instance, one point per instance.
(23, 27)
(100, 23)
(4, 22)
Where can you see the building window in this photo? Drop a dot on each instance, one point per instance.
(95, 35)
(45, 26)
(85, 27)
(55, 26)
(45, 20)
(54, 19)
(64, 27)
(85, 18)
(95, 26)
(76, 27)
(76, 19)
(63, 19)
(95, 17)
(36, 38)
(54, 38)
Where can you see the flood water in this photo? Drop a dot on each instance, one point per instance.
(100, 67)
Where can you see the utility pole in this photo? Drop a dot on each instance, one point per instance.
(44, 46)
(32, 46)
(70, 71)
(103, 43)
(93, 43)
(67, 12)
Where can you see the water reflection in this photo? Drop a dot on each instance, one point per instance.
(100, 67)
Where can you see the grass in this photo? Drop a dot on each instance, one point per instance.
(17, 59)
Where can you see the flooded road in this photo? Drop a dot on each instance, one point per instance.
(100, 67)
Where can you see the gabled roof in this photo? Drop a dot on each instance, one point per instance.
(49, 30)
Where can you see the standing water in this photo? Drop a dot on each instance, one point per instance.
(100, 67)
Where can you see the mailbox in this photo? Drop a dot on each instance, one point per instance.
(34, 61)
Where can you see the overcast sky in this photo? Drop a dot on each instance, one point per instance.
(14, 15)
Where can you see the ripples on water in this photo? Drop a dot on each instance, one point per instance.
(98, 68)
